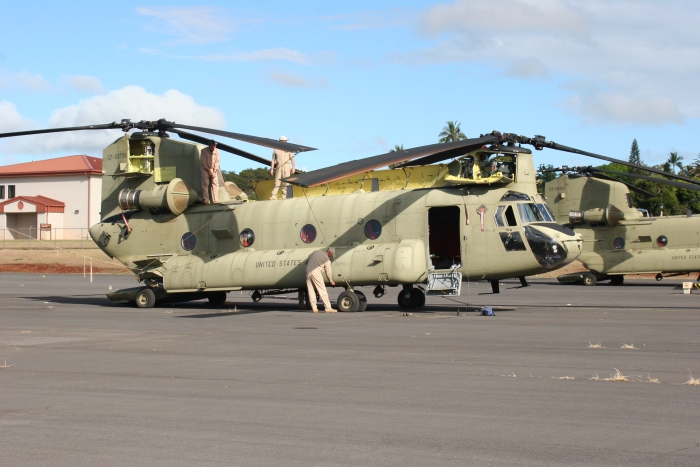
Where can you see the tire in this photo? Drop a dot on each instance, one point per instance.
(412, 302)
(421, 296)
(217, 298)
(589, 279)
(363, 301)
(145, 298)
(617, 280)
(348, 302)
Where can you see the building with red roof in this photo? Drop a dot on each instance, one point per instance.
(54, 198)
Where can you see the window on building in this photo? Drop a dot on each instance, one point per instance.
(10, 191)
(2, 191)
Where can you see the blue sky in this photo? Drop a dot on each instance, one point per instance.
(355, 79)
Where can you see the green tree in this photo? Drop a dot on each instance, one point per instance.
(634, 154)
(397, 148)
(545, 173)
(673, 162)
(451, 132)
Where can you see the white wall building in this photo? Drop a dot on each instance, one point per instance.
(54, 198)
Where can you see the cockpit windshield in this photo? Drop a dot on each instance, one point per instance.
(546, 213)
(529, 212)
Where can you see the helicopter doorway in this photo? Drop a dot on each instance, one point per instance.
(444, 248)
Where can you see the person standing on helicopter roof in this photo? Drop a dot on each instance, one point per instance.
(280, 168)
(210, 160)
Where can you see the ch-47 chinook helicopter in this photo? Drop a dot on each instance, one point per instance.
(478, 217)
(618, 239)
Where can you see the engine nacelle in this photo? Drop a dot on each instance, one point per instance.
(610, 216)
(176, 196)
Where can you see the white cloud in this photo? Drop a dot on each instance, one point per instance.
(641, 56)
(131, 102)
(264, 55)
(85, 84)
(193, 25)
(24, 80)
(375, 19)
(527, 69)
(11, 120)
(288, 79)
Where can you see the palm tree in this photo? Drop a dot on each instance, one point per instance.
(451, 132)
(397, 148)
(694, 168)
(674, 160)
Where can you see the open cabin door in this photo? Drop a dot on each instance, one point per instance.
(444, 247)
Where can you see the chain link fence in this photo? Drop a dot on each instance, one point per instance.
(46, 239)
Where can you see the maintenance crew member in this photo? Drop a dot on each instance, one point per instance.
(280, 168)
(209, 161)
(318, 262)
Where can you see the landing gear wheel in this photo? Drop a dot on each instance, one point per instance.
(145, 298)
(589, 279)
(348, 301)
(617, 280)
(421, 296)
(410, 302)
(363, 301)
(217, 298)
(257, 296)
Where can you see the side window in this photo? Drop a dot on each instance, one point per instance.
(10, 191)
(499, 216)
(512, 241)
(2, 191)
(510, 217)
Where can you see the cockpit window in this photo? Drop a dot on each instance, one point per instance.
(515, 196)
(499, 216)
(545, 213)
(529, 213)
(505, 216)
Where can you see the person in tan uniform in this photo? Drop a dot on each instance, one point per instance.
(280, 168)
(209, 161)
(319, 261)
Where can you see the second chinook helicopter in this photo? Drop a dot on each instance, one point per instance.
(478, 218)
(618, 238)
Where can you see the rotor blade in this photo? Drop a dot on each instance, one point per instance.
(267, 142)
(106, 126)
(221, 146)
(629, 186)
(560, 147)
(346, 169)
(644, 177)
(441, 156)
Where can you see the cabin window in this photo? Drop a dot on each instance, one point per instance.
(513, 241)
(247, 237)
(619, 243)
(188, 241)
(529, 213)
(373, 229)
(662, 241)
(308, 233)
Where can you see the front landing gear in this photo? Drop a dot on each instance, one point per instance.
(411, 297)
(351, 301)
(145, 298)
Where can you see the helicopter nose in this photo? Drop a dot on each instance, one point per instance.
(553, 245)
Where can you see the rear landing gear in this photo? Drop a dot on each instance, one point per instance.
(589, 279)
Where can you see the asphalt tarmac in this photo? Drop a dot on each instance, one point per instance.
(86, 382)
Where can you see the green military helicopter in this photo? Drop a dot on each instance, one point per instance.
(618, 238)
(425, 225)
